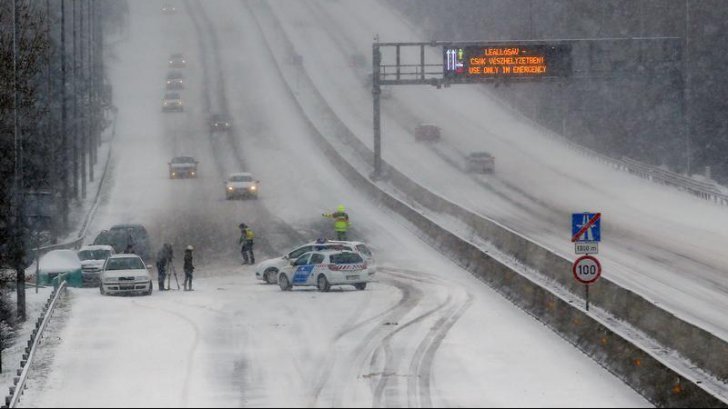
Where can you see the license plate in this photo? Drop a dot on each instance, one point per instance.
(352, 277)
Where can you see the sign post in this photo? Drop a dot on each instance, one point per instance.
(587, 270)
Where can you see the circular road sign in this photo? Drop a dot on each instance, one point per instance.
(587, 269)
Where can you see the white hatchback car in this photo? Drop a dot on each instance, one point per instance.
(93, 259)
(125, 273)
(268, 270)
(241, 185)
(324, 269)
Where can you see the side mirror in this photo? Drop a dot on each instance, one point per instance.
(149, 267)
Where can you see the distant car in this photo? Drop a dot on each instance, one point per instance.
(324, 269)
(127, 238)
(169, 9)
(183, 167)
(177, 60)
(93, 259)
(480, 162)
(241, 185)
(172, 102)
(427, 132)
(175, 80)
(59, 262)
(268, 270)
(125, 273)
(220, 122)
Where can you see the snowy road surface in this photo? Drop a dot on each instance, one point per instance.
(666, 245)
(426, 333)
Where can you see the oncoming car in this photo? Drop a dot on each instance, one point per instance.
(172, 102)
(177, 60)
(324, 269)
(241, 185)
(220, 122)
(182, 167)
(268, 270)
(175, 80)
(125, 274)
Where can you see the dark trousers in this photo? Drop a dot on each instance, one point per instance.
(341, 235)
(247, 252)
(188, 280)
(161, 274)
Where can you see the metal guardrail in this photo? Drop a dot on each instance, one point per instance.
(18, 387)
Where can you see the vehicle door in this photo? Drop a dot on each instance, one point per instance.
(302, 271)
(317, 262)
(294, 255)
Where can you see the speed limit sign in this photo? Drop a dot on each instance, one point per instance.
(587, 269)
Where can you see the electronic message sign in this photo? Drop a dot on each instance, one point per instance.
(487, 61)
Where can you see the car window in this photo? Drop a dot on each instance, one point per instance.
(363, 250)
(303, 260)
(317, 258)
(241, 178)
(346, 258)
(93, 254)
(298, 252)
(183, 159)
(125, 263)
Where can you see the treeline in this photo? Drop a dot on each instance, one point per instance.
(54, 103)
(668, 117)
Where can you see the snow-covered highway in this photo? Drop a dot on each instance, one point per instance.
(425, 334)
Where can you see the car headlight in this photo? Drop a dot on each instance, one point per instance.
(192, 173)
(254, 187)
(230, 188)
(169, 82)
(227, 124)
(166, 103)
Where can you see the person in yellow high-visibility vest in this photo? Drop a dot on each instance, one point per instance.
(341, 222)
(246, 241)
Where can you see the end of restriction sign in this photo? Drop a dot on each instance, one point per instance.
(586, 247)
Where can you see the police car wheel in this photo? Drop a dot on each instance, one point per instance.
(284, 283)
(323, 284)
(360, 286)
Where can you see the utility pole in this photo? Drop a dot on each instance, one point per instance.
(18, 250)
(83, 112)
(64, 118)
(89, 90)
(50, 134)
(74, 136)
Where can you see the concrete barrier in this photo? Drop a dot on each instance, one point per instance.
(643, 370)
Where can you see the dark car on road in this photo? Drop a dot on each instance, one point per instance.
(177, 60)
(183, 167)
(175, 80)
(172, 102)
(220, 123)
(126, 238)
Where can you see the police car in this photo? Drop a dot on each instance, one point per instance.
(324, 269)
(268, 270)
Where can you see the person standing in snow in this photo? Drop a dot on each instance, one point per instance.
(189, 268)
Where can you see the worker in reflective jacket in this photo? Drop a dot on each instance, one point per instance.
(341, 222)
(246, 243)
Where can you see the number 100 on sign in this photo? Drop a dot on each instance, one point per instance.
(587, 269)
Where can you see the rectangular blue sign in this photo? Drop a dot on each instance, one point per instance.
(587, 229)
